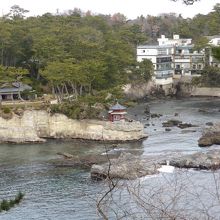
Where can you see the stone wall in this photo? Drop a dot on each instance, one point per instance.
(205, 91)
(35, 125)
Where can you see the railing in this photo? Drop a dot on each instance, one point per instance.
(196, 72)
(163, 76)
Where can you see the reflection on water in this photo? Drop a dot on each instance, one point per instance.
(66, 193)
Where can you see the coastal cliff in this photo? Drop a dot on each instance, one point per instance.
(36, 125)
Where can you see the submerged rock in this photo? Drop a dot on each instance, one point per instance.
(209, 123)
(171, 123)
(185, 125)
(187, 131)
(177, 123)
(84, 162)
(147, 110)
(65, 155)
(155, 115)
(203, 110)
(146, 125)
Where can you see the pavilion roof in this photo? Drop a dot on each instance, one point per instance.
(117, 107)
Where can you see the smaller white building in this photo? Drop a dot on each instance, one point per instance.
(175, 41)
(185, 61)
(214, 40)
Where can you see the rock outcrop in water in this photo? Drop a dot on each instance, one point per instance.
(177, 123)
(203, 161)
(211, 136)
(127, 166)
(35, 125)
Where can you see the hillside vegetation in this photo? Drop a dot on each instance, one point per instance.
(77, 54)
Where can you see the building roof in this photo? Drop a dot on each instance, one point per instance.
(15, 88)
(118, 107)
(154, 46)
(189, 46)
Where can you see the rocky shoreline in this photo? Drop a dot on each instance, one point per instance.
(128, 166)
(39, 125)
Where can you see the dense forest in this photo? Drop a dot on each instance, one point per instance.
(77, 53)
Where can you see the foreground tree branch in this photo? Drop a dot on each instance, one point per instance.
(187, 2)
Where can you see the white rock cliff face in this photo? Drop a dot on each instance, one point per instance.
(35, 125)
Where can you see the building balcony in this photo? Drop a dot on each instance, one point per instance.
(164, 59)
(196, 72)
(163, 76)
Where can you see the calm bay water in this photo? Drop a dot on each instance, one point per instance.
(65, 193)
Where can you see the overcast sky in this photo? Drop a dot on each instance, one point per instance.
(130, 8)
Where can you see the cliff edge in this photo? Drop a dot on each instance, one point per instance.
(36, 125)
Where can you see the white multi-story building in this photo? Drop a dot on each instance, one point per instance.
(161, 58)
(172, 57)
(175, 57)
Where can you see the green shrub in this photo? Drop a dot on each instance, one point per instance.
(12, 202)
(18, 198)
(5, 205)
(6, 110)
(76, 110)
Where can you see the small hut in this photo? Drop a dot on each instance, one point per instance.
(12, 91)
(117, 113)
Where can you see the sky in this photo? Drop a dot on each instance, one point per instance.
(130, 8)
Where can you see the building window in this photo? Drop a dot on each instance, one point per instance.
(178, 66)
(162, 52)
(164, 59)
(143, 51)
(168, 66)
(194, 66)
(199, 66)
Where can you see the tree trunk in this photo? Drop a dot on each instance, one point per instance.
(80, 90)
(60, 94)
(67, 91)
(2, 54)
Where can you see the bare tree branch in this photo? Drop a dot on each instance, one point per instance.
(187, 2)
